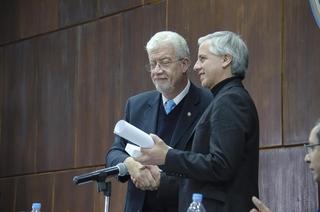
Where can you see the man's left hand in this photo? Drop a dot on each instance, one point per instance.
(155, 155)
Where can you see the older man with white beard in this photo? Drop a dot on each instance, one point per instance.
(171, 111)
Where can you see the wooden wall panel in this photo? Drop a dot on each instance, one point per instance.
(301, 71)
(71, 197)
(264, 74)
(76, 11)
(138, 27)
(108, 7)
(35, 188)
(187, 18)
(9, 20)
(285, 181)
(7, 194)
(2, 93)
(37, 16)
(20, 19)
(99, 60)
(83, 198)
(18, 131)
(118, 195)
(110, 58)
(57, 67)
(193, 19)
(61, 92)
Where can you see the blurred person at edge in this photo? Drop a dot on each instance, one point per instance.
(149, 189)
(312, 158)
(223, 159)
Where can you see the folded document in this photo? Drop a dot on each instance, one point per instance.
(133, 150)
(133, 134)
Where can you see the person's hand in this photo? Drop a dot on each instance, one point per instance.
(155, 155)
(142, 176)
(260, 205)
(156, 174)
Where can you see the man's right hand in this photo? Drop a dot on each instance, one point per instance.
(144, 177)
(260, 205)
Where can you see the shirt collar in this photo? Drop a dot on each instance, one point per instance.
(180, 96)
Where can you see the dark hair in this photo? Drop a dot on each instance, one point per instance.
(318, 130)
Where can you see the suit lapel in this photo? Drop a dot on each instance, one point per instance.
(187, 117)
(151, 114)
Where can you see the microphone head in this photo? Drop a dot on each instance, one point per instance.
(75, 180)
(122, 169)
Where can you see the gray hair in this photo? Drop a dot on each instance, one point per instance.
(225, 42)
(179, 43)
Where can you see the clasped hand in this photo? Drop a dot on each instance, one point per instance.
(144, 172)
(144, 177)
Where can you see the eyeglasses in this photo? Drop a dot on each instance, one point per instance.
(310, 147)
(162, 63)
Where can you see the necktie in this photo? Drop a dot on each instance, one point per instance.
(169, 105)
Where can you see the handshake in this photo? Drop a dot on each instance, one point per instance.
(145, 177)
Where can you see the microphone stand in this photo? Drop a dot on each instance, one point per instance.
(100, 176)
(105, 187)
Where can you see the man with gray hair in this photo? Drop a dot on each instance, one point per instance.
(171, 111)
(222, 163)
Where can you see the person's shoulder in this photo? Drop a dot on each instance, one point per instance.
(233, 88)
(144, 95)
(235, 95)
(203, 92)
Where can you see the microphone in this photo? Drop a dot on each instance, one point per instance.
(100, 175)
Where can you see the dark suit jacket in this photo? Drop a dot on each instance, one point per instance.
(223, 161)
(142, 112)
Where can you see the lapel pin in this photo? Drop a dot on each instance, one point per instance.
(189, 114)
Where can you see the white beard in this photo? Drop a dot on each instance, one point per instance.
(163, 87)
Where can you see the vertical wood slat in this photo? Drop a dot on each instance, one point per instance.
(73, 12)
(65, 60)
(2, 91)
(20, 19)
(37, 16)
(137, 30)
(187, 17)
(9, 21)
(285, 181)
(301, 72)
(263, 80)
(57, 67)
(7, 194)
(107, 7)
(110, 57)
(18, 131)
(35, 188)
(71, 197)
(99, 59)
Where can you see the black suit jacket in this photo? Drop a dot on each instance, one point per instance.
(142, 112)
(224, 158)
